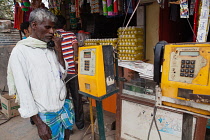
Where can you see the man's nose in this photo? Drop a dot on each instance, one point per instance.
(51, 31)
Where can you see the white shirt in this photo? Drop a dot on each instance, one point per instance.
(38, 78)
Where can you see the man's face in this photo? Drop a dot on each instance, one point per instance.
(43, 31)
(27, 31)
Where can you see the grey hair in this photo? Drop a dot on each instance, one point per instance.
(41, 14)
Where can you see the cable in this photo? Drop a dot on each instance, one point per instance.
(154, 120)
(128, 22)
(126, 13)
(64, 85)
(192, 30)
(5, 121)
(190, 24)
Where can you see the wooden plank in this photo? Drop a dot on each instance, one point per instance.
(187, 126)
(200, 131)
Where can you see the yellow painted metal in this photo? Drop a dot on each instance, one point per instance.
(96, 82)
(199, 84)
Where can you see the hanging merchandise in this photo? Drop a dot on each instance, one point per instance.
(192, 7)
(184, 11)
(24, 8)
(77, 8)
(129, 6)
(94, 4)
(26, 3)
(110, 8)
(120, 5)
(18, 16)
(73, 20)
(54, 6)
(104, 8)
(116, 7)
(203, 26)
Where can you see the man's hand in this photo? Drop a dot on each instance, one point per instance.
(58, 50)
(43, 130)
(58, 41)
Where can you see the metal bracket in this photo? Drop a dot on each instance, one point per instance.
(158, 96)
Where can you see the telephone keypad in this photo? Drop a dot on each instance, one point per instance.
(183, 61)
(191, 75)
(187, 61)
(181, 74)
(192, 71)
(187, 68)
(183, 66)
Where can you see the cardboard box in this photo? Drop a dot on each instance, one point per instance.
(9, 107)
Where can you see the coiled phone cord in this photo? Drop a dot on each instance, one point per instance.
(65, 85)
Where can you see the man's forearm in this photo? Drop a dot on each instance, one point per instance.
(60, 59)
(37, 120)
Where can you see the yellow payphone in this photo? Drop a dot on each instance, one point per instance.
(96, 70)
(185, 75)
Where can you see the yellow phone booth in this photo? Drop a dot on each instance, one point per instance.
(97, 78)
(185, 79)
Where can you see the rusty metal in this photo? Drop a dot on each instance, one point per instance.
(199, 98)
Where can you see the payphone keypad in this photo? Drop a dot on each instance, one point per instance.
(187, 68)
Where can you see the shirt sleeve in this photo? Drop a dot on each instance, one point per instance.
(18, 66)
(64, 71)
(74, 39)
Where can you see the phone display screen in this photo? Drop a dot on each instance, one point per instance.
(87, 54)
(182, 53)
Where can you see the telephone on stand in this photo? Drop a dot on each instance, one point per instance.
(185, 78)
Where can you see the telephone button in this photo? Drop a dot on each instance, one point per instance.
(186, 75)
(183, 61)
(182, 70)
(187, 61)
(182, 66)
(187, 70)
(192, 66)
(181, 74)
(191, 75)
(192, 61)
(187, 66)
(191, 71)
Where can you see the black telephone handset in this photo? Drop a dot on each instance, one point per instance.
(158, 57)
(51, 45)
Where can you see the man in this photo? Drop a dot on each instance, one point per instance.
(70, 53)
(25, 29)
(36, 74)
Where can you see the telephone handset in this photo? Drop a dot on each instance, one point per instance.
(51, 45)
(158, 56)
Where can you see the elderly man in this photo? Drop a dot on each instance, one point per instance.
(36, 73)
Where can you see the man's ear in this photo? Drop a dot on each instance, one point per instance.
(33, 25)
(25, 31)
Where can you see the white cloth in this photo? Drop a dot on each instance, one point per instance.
(36, 76)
